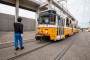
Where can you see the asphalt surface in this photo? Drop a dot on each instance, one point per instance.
(49, 52)
(79, 50)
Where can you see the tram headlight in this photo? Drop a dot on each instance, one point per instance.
(46, 31)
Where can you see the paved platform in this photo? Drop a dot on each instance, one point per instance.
(80, 49)
(8, 37)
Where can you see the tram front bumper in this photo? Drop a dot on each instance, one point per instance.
(38, 36)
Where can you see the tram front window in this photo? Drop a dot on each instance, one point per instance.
(46, 18)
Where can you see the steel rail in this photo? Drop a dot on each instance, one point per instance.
(23, 54)
(12, 44)
(13, 58)
(86, 38)
(64, 50)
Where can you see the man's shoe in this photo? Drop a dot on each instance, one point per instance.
(17, 48)
(22, 48)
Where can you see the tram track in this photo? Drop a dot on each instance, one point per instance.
(20, 55)
(60, 55)
(2, 46)
(86, 39)
(33, 50)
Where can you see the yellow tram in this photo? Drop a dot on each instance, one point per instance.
(55, 26)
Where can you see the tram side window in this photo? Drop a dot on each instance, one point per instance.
(70, 23)
(75, 26)
(67, 22)
(53, 19)
(59, 20)
(63, 22)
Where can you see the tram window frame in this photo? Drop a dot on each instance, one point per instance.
(67, 22)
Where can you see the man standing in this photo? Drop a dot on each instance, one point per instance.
(18, 31)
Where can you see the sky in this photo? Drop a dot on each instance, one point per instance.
(11, 10)
(80, 9)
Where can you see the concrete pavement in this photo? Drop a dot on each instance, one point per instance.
(80, 49)
(8, 37)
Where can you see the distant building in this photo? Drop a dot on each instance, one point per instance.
(89, 27)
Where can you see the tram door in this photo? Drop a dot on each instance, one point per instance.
(60, 31)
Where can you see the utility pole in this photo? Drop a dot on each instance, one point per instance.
(49, 4)
(16, 10)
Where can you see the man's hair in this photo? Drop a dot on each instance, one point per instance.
(19, 19)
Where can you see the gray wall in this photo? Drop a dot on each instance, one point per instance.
(6, 23)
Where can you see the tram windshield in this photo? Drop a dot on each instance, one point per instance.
(46, 18)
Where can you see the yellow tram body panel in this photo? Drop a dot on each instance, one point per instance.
(67, 31)
(74, 30)
(52, 32)
(48, 31)
(77, 30)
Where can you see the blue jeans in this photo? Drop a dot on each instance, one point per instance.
(16, 37)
